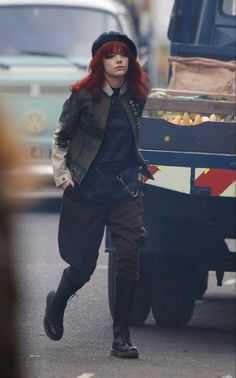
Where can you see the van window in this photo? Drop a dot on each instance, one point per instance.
(229, 7)
(52, 29)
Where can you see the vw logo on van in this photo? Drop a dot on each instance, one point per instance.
(34, 121)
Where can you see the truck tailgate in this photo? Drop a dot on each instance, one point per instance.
(210, 144)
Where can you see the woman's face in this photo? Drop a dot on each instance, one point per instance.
(116, 64)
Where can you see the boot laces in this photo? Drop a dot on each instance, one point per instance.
(124, 338)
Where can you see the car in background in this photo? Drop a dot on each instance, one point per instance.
(45, 46)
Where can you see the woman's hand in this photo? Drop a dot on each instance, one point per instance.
(68, 183)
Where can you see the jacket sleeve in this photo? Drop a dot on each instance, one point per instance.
(61, 139)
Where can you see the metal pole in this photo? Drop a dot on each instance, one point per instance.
(154, 44)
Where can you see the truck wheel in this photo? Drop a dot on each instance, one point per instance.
(142, 301)
(201, 283)
(172, 300)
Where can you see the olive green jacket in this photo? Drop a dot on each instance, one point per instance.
(80, 132)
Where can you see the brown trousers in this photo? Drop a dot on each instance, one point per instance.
(81, 230)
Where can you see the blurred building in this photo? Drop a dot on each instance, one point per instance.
(151, 19)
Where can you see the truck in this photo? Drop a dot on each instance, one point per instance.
(187, 137)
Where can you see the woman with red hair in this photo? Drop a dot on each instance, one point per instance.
(97, 163)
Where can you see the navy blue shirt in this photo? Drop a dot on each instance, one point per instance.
(115, 157)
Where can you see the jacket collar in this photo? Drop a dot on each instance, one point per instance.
(109, 92)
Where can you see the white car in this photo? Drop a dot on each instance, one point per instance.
(59, 26)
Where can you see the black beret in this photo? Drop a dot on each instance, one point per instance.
(114, 36)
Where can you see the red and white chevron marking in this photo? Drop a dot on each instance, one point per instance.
(221, 181)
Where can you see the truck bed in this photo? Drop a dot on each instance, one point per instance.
(209, 144)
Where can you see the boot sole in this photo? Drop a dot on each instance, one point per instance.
(131, 354)
(44, 321)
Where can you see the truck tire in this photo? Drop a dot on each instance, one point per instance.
(201, 283)
(142, 301)
(172, 299)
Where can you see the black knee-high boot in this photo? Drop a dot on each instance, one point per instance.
(55, 307)
(124, 295)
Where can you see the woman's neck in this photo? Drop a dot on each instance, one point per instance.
(115, 82)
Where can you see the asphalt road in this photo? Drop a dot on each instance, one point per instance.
(203, 349)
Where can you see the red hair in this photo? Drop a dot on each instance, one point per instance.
(137, 79)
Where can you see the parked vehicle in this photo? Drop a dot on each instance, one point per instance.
(44, 48)
(189, 210)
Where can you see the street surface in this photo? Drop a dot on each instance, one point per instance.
(204, 349)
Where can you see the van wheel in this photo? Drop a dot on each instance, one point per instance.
(172, 300)
(142, 301)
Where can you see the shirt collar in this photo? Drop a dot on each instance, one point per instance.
(109, 92)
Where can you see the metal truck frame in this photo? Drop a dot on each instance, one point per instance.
(189, 211)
